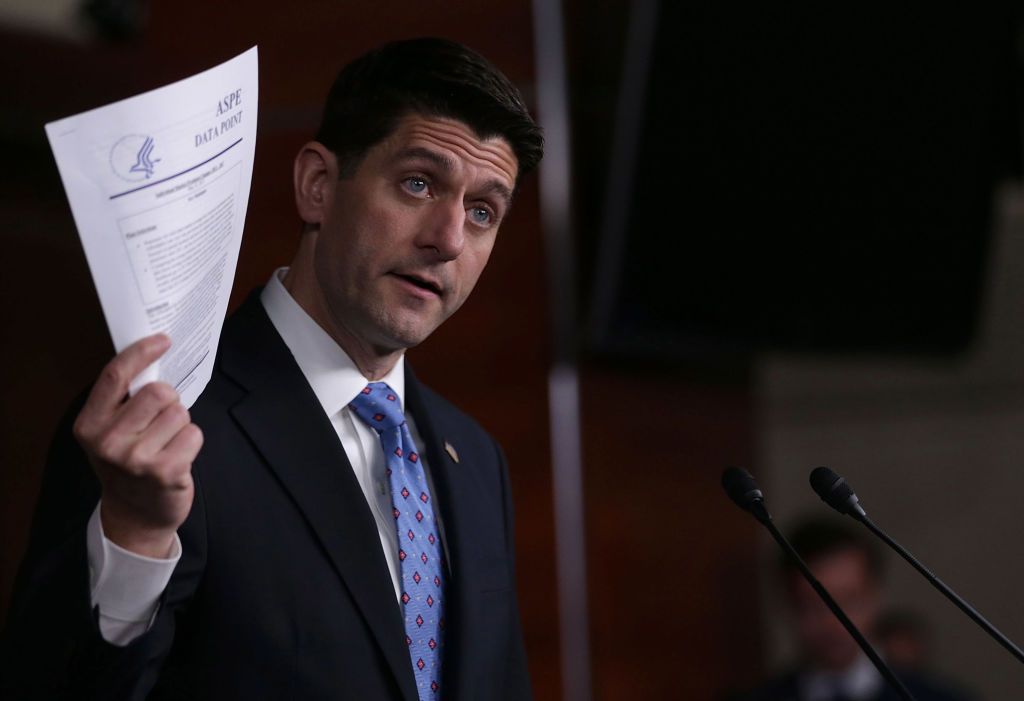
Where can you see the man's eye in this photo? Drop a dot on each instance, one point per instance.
(480, 215)
(417, 186)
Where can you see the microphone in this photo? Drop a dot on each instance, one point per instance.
(835, 492)
(743, 490)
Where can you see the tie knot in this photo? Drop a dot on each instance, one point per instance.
(378, 406)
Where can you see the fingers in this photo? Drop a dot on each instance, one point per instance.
(114, 438)
(112, 385)
(140, 411)
(168, 466)
(163, 428)
(185, 446)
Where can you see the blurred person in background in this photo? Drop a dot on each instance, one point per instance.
(904, 638)
(832, 666)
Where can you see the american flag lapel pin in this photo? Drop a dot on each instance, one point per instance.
(452, 453)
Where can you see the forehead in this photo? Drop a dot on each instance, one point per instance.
(455, 140)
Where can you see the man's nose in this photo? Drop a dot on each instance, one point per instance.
(445, 230)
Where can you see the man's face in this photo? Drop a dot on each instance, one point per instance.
(823, 640)
(403, 241)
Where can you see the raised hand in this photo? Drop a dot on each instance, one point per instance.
(141, 449)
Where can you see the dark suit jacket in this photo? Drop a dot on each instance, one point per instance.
(282, 591)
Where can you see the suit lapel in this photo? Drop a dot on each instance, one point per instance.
(286, 423)
(455, 493)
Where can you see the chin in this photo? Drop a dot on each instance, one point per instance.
(404, 337)
(408, 333)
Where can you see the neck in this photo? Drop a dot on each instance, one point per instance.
(373, 366)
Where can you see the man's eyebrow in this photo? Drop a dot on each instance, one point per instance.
(500, 190)
(448, 165)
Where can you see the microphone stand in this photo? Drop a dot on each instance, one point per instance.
(971, 612)
(761, 514)
(837, 493)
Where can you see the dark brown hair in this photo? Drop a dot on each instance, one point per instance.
(432, 77)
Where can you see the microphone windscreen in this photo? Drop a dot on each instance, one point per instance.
(832, 489)
(741, 487)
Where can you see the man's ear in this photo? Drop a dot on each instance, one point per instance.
(314, 175)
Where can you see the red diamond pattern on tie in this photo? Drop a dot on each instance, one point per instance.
(423, 588)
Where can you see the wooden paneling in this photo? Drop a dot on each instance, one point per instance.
(671, 559)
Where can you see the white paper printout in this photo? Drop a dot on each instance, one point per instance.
(158, 186)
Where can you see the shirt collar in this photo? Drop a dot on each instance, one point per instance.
(331, 373)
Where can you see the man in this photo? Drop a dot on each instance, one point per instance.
(321, 526)
(833, 667)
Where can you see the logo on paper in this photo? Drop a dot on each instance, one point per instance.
(131, 158)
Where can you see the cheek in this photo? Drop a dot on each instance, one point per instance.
(473, 263)
(357, 251)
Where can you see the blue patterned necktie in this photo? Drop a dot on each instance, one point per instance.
(419, 546)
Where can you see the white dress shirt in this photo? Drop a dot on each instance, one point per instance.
(860, 681)
(126, 587)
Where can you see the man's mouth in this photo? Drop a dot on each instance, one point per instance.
(423, 283)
